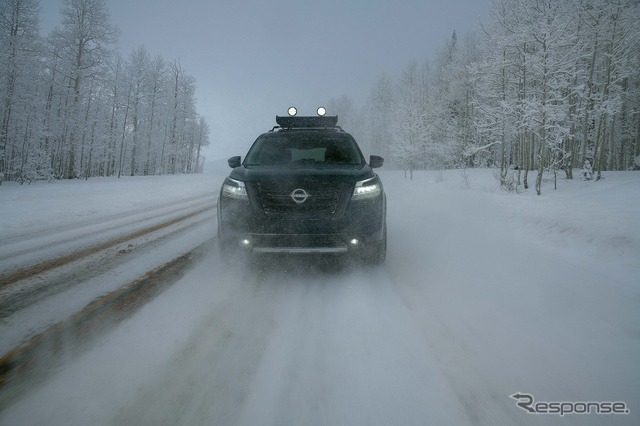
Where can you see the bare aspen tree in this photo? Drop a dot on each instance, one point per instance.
(85, 40)
(19, 26)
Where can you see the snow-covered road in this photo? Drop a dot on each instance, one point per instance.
(484, 294)
(67, 244)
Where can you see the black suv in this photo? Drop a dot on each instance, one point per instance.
(304, 187)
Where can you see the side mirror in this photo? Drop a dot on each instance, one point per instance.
(234, 162)
(375, 161)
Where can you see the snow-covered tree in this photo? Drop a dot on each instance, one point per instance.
(344, 107)
(449, 102)
(71, 106)
(156, 86)
(19, 55)
(84, 42)
(547, 81)
(410, 128)
(378, 117)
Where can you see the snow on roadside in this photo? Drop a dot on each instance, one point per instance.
(586, 219)
(44, 205)
(581, 220)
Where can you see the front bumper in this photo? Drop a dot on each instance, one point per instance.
(301, 243)
(361, 225)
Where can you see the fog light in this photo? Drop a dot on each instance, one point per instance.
(245, 243)
(354, 242)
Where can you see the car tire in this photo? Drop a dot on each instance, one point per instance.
(377, 253)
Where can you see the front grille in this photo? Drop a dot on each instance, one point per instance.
(322, 201)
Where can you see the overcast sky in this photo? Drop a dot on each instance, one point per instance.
(254, 59)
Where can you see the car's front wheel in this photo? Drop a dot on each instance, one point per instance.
(377, 252)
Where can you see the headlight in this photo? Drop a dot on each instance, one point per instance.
(369, 188)
(234, 189)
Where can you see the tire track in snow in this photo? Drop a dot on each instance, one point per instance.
(33, 360)
(9, 278)
(102, 220)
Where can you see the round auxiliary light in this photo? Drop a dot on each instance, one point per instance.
(322, 111)
(292, 111)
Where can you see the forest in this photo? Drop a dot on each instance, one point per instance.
(72, 106)
(545, 86)
(540, 89)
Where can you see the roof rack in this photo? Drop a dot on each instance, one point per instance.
(295, 122)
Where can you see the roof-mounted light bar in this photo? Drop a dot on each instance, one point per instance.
(320, 121)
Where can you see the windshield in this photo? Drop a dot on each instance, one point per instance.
(301, 148)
